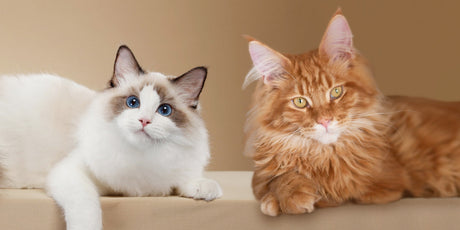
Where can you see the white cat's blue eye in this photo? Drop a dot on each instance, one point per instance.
(133, 102)
(164, 110)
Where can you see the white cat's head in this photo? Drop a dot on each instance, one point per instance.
(150, 108)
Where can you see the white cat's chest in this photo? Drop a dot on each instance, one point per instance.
(136, 173)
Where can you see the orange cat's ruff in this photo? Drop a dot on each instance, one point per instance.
(321, 133)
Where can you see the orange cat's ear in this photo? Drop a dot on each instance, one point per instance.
(337, 42)
(268, 63)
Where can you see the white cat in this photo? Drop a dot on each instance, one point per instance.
(143, 136)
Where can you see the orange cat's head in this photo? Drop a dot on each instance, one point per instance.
(320, 94)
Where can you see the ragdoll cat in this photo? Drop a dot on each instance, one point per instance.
(321, 133)
(143, 136)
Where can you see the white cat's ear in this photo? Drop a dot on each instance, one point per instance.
(125, 67)
(190, 84)
(337, 42)
(268, 63)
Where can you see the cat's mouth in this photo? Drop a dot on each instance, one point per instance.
(142, 132)
(326, 135)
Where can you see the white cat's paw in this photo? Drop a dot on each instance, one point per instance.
(202, 189)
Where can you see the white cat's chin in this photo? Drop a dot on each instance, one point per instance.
(144, 135)
(142, 138)
(328, 136)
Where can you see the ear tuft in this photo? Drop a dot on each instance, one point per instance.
(190, 85)
(338, 11)
(337, 42)
(125, 66)
(268, 63)
(248, 38)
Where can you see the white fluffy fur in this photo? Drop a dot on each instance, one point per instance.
(326, 136)
(38, 118)
(45, 117)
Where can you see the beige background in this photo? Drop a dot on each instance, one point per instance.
(413, 46)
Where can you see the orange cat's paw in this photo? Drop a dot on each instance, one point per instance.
(298, 203)
(269, 205)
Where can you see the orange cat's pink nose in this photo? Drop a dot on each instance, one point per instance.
(144, 122)
(324, 122)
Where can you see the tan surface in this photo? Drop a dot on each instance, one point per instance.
(32, 209)
(413, 46)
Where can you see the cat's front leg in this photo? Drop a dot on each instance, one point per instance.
(201, 189)
(379, 196)
(72, 189)
(289, 193)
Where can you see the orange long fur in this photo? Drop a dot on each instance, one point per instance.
(390, 147)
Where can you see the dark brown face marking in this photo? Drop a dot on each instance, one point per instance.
(165, 95)
(178, 116)
(118, 103)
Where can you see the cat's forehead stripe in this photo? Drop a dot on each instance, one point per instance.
(311, 78)
(301, 90)
(166, 96)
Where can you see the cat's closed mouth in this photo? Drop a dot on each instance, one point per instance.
(144, 133)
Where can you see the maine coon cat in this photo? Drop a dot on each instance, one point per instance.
(142, 136)
(321, 133)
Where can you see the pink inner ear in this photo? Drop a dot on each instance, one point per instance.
(337, 42)
(266, 61)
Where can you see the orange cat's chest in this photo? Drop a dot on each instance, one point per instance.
(338, 172)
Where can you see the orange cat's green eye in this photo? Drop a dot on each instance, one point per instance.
(300, 102)
(336, 92)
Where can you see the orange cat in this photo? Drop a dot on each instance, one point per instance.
(321, 133)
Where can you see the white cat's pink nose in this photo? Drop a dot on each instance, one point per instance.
(324, 122)
(144, 122)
